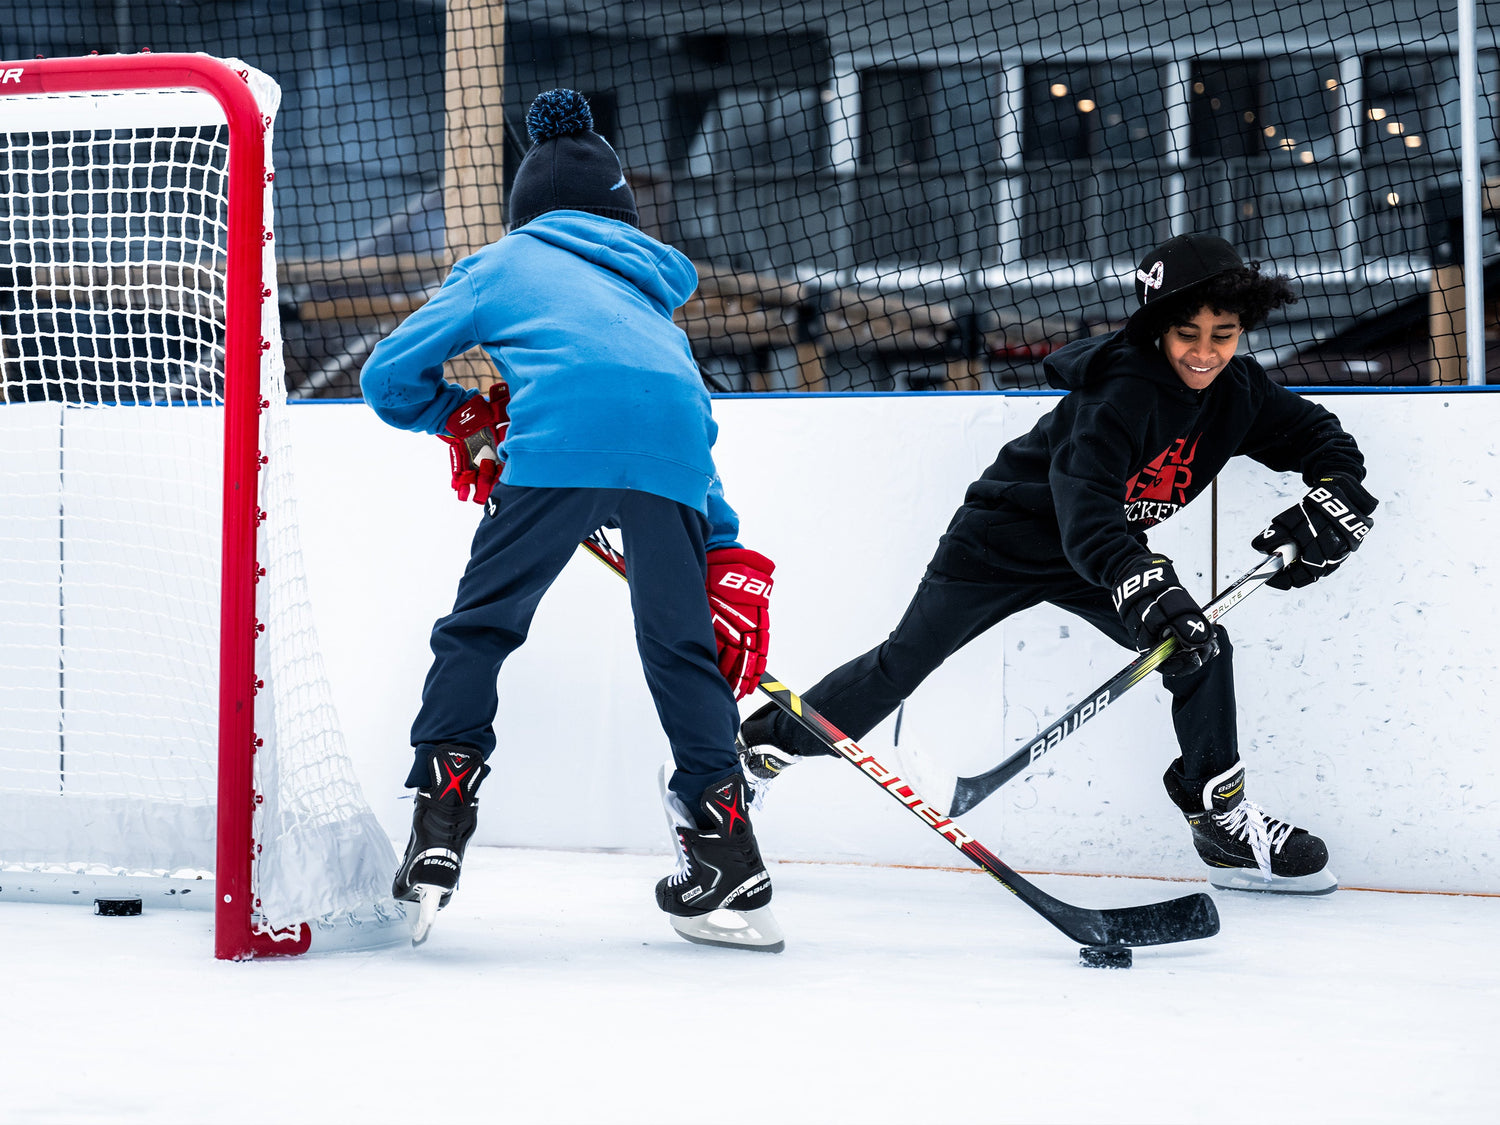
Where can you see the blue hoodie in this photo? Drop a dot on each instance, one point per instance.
(575, 310)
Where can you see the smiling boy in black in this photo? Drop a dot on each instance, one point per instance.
(1154, 412)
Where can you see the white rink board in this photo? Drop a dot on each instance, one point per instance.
(1364, 712)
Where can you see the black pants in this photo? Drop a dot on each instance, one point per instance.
(947, 613)
(523, 542)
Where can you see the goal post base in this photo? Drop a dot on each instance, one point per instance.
(66, 887)
(380, 925)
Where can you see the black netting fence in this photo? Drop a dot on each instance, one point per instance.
(877, 195)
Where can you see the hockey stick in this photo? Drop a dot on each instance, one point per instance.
(969, 791)
(1159, 923)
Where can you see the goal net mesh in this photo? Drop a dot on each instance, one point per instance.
(113, 290)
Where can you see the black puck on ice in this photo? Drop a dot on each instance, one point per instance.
(1105, 957)
(117, 907)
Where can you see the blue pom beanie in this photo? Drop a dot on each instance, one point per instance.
(569, 166)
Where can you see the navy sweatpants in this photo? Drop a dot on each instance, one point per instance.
(524, 540)
(947, 613)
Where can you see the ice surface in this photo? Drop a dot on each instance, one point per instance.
(552, 990)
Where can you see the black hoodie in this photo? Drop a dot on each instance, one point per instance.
(1124, 450)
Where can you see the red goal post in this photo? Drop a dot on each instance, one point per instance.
(137, 273)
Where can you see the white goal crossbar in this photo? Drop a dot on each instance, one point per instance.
(166, 729)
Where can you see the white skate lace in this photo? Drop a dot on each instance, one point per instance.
(1265, 834)
(684, 870)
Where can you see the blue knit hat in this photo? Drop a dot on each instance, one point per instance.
(569, 166)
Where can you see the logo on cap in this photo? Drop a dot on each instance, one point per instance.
(1152, 280)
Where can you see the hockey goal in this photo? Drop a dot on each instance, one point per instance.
(166, 729)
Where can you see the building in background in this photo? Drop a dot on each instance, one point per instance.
(878, 195)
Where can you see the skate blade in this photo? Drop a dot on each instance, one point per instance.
(429, 900)
(1243, 879)
(755, 930)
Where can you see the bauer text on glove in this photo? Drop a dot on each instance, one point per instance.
(1154, 606)
(739, 593)
(1325, 526)
(475, 431)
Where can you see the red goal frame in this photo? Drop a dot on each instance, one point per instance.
(235, 936)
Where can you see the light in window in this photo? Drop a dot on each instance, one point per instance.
(1306, 157)
(1331, 84)
(1249, 117)
(1413, 142)
(1058, 90)
(1270, 130)
(1393, 198)
(1377, 114)
(1395, 128)
(1086, 105)
(1197, 87)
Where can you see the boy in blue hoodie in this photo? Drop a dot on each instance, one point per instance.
(601, 419)
(1153, 413)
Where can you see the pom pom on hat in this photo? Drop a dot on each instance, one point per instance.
(569, 167)
(558, 113)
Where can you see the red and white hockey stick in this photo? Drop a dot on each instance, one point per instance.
(1160, 923)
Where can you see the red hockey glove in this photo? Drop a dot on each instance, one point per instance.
(477, 428)
(1326, 526)
(1154, 606)
(739, 593)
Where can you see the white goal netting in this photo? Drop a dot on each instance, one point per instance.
(113, 296)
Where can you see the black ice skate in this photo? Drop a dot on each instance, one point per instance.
(721, 892)
(441, 824)
(1245, 848)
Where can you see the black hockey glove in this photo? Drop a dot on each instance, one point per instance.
(1325, 526)
(1153, 605)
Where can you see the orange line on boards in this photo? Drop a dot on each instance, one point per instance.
(1110, 875)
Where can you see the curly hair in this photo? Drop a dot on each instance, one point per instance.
(1246, 292)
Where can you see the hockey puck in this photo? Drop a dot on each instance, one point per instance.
(117, 907)
(1105, 957)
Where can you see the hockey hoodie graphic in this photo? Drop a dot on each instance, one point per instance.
(1159, 490)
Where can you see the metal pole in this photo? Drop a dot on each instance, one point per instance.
(1468, 95)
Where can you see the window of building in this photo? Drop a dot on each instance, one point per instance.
(1284, 108)
(1407, 108)
(746, 131)
(1110, 113)
(918, 117)
(1094, 141)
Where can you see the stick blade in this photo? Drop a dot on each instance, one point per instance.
(969, 791)
(1188, 918)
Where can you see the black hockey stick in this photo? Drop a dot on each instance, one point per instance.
(969, 791)
(1159, 923)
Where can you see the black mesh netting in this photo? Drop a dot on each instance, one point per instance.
(878, 195)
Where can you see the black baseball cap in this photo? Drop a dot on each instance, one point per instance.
(1179, 264)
